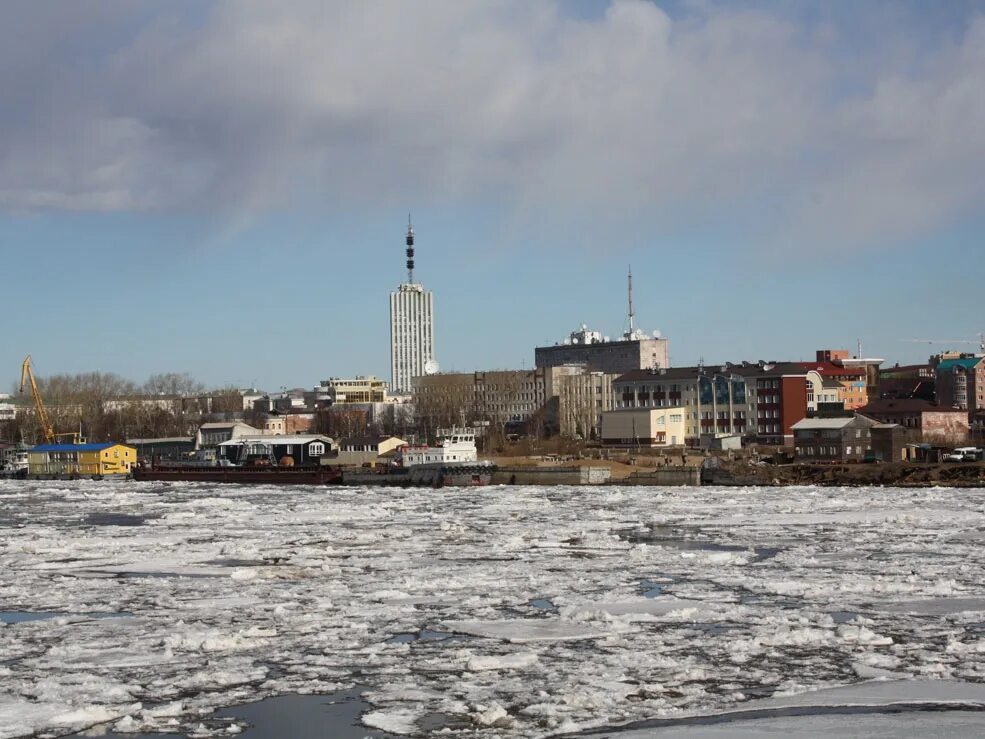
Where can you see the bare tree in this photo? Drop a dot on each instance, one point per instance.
(172, 383)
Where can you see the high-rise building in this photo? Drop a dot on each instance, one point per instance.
(411, 328)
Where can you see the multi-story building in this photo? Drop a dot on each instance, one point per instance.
(580, 397)
(833, 439)
(633, 351)
(758, 401)
(411, 328)
(338, 391)
(836, 378)
(933, 423)
(961, 381)
(499, 396)
(907, 381)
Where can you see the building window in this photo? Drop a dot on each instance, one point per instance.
(316, 449)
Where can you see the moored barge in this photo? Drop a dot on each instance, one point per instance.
(250, 475)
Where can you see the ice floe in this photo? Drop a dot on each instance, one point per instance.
(516, 611)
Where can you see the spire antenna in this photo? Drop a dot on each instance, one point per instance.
(410, 250)
(631, 327)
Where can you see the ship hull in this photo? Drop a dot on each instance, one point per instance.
(425, 476)
(243, 475)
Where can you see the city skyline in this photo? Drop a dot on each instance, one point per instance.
(780, 176)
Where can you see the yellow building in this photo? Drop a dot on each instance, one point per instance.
(650, 427)
(87, 460)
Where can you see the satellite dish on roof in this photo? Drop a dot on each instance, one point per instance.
(430, 367)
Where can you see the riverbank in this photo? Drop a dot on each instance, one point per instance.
(711, 470)
(898, 474)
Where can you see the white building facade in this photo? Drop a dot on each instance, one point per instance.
(411, 335)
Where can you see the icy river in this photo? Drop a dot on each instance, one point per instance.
(202, 610)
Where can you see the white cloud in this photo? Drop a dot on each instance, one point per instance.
(254, 106)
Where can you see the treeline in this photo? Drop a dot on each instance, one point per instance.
(104, 406)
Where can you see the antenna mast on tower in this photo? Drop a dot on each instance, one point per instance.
(631, 327)
(410, 250)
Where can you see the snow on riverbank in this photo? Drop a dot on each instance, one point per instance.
(516, 611)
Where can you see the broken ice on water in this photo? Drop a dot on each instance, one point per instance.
(511, 611)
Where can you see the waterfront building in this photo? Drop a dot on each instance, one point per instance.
(648, 427)
(758, 401)
(411, 328)
(833, 439)
(932, 423)
(81, 459)
(301, 449)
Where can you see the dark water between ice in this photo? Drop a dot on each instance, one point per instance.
(334, 716)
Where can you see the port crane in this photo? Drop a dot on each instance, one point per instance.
(27, 378)
(980, 342)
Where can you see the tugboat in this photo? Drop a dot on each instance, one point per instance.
(453, 463)
(15, 464)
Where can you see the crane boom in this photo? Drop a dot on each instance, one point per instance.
(27, 377)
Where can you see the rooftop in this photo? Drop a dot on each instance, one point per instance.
(279, 440)
(905, 405)
(830, 369)
(806, 424)
(967, 363)
(75, 447)
(745, 369)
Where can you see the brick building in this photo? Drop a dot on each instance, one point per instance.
(758, 401)
(933, 423)
(961, 382)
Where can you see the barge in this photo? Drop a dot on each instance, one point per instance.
(249, 474)
(434, 475)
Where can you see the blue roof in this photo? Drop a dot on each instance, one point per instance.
(966, 362)
(73, 447)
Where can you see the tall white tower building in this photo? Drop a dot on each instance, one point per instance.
(411, 328)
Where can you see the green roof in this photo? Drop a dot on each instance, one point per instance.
(966, 362)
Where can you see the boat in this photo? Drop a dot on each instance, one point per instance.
(453, 462)
(14, 464)
(429, 475)
(245, 474)
(258, 467)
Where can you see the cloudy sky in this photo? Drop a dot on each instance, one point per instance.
(222, 187)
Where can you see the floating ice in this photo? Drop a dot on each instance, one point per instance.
(225, 596)
(526, 630)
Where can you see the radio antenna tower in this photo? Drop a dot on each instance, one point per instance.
(631, 327)
(410, 250)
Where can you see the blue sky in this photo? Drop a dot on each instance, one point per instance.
(222, 188)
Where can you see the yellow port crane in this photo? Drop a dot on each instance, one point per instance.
(27, 377)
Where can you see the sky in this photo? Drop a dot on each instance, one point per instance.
(222, 188)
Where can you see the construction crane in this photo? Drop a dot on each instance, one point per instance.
(980, 342)
(27, 377)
